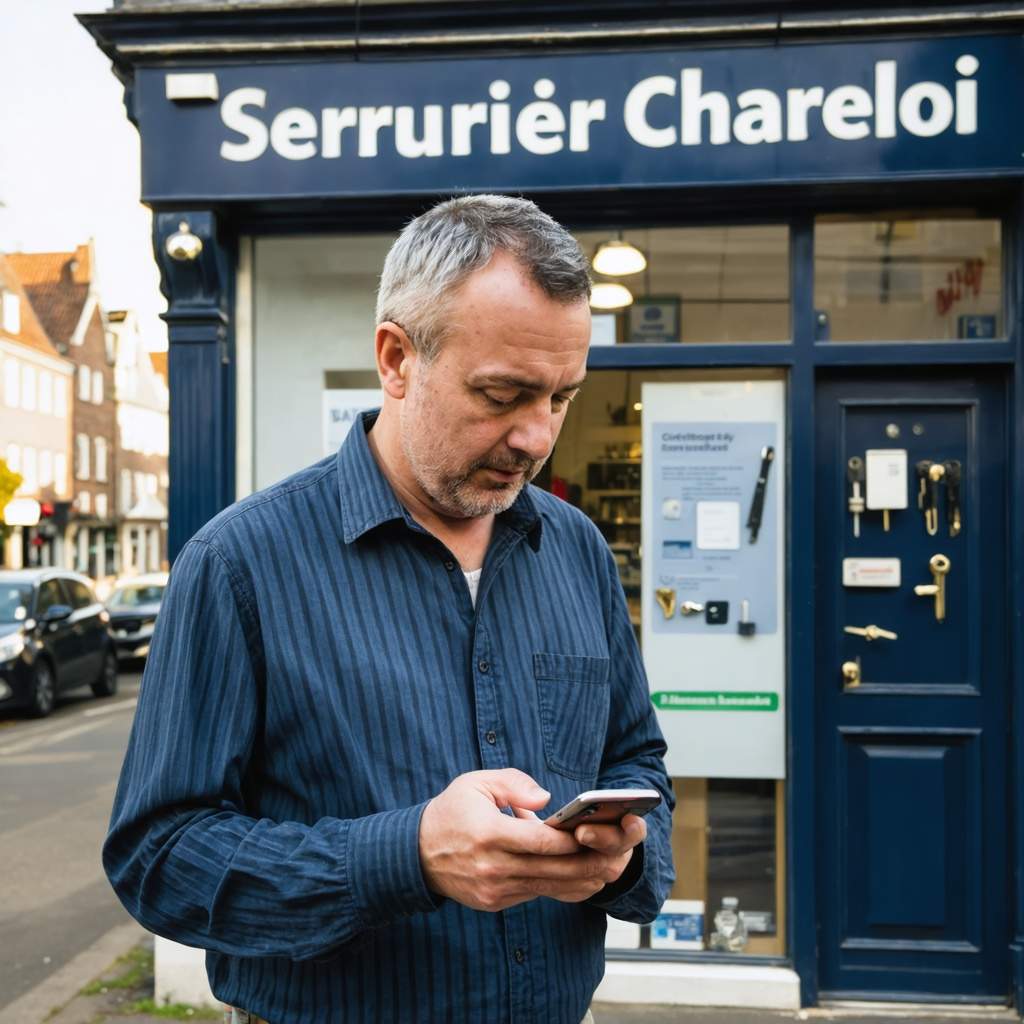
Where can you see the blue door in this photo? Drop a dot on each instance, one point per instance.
(913, 697)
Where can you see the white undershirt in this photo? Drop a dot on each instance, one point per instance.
(473, 580)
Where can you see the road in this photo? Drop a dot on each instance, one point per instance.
(58, 778)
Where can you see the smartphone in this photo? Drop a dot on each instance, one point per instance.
(603, 807)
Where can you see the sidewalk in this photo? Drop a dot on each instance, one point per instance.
(123, 994)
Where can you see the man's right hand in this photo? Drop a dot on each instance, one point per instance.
(474, 854)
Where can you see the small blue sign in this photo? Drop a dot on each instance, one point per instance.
(974, 325)
(802, 112)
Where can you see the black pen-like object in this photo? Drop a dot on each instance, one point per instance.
(757, 505)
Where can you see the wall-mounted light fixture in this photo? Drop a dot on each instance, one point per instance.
(618, 258)
(610, 295)
(183, 245)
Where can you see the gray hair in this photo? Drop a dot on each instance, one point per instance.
(438, 250)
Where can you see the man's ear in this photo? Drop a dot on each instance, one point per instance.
(394, 357)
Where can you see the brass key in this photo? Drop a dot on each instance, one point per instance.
(939, 565)
(871, 632)
(931, 509)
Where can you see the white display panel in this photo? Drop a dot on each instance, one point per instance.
(719, 694)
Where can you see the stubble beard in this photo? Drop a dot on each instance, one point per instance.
(455, 493)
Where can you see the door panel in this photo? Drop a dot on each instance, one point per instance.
(912, 791)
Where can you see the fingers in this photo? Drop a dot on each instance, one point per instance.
(613, 840)
(532, 836)
(509, 787)
(522, 812)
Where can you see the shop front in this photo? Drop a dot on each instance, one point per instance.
(800, 431)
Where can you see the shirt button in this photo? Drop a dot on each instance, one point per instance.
(519, 956)
(449, 565)
(484, 667)
(491, 736)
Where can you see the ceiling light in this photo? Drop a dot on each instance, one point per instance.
(617, 258)
(609, 295)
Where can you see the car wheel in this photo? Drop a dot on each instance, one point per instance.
(44, 690)
(106, 685)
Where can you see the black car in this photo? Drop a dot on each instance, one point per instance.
(133, 607)
(54, 637)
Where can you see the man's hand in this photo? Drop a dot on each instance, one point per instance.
(616, 842)
(474, 854)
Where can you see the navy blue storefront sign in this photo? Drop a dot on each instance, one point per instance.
(843, 111)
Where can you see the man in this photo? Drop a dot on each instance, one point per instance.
(368, 679)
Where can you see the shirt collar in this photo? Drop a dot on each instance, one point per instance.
(367, 499)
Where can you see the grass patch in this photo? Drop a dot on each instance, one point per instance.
(129, 971)
(174, 1011)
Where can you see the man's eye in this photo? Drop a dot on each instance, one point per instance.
(561, 401)
(500, 400)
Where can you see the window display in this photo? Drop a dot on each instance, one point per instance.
(899, 276)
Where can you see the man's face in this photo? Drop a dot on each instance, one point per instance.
(479, 422)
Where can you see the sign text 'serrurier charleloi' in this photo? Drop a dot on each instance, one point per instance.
(807, 112)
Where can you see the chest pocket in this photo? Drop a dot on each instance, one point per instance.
(572, 695)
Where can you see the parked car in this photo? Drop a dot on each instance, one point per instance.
(54, 637)
(133, 607)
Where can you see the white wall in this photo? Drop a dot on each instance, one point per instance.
(313, 302)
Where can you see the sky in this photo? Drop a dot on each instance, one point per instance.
(69, 156)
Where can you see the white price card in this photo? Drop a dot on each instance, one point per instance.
(718, 525)
(871, 572)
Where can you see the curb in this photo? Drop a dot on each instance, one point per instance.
(65, 983)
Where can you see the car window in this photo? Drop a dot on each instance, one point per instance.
(81, 595)
(50, 593)
(132, 597)
(14, 602)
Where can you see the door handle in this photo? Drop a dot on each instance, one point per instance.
(871, 632)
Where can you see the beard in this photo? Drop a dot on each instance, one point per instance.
(455, 489)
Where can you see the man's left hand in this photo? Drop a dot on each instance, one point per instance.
(616, 841)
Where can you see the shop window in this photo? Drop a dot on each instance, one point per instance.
(690, 285)
(907, 277)
(728, 836)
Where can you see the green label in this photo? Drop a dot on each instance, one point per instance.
(714, 700)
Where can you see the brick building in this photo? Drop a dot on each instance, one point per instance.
(62, 289)
(35, 421)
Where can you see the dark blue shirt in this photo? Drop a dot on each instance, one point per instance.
(317, 674)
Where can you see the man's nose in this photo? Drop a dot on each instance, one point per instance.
(533, 432)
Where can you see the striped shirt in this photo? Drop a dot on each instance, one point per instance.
(317, 674)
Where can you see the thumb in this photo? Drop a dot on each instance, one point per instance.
(510, 787)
